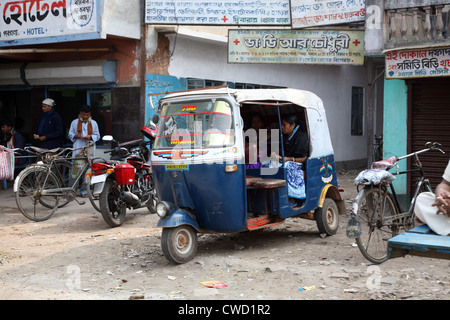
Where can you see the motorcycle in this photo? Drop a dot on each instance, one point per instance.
(126, 181)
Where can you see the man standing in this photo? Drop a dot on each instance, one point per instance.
(434, 209)
(51, 129)
(83, 130)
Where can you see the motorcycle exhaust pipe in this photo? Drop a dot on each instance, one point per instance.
(130, 198)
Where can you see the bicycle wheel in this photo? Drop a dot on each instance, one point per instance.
(375, 204)
(62, 170)
(29, 198)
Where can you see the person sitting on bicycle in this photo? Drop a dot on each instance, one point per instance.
(434, 209)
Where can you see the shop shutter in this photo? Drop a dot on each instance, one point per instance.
(430, 122)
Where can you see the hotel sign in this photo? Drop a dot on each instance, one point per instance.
(36, 19)
(296, 47)
(418, 63)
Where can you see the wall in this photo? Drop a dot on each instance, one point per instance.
(395, 130)
(199, 58)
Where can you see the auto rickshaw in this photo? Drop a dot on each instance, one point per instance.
(202, 173)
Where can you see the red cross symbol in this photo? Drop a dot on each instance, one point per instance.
(236, 42)
(224, 19)
(356, 42)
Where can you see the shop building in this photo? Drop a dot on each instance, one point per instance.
(414, 39)
(75, 53)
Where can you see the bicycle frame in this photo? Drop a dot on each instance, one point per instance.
(61, 191)
(422, 180)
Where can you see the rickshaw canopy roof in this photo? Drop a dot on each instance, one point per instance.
(319, 136)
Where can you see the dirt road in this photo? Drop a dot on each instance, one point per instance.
(75, 255)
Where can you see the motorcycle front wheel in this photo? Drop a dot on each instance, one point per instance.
(112, 208)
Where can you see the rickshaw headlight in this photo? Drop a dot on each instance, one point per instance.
(162, 209)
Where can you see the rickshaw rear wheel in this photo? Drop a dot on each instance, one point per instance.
(179, 244)
(327, 217)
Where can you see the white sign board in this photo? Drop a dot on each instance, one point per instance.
(310, 13)
(33, 19)
(218, 12)
(330, 47)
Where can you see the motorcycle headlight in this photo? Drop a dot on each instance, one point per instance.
(162, 209)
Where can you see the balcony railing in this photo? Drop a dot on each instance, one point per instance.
(416, 26)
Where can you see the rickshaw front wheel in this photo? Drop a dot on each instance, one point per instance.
(179, 244)
(327, 217)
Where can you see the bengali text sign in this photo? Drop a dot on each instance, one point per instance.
(218, 12)
(330, 47)
(29, 19)
(310, 13)
(418, 63)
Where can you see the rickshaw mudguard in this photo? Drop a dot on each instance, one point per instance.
(177, 218)
(330, 191)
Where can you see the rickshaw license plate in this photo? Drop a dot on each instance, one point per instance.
(177, 167)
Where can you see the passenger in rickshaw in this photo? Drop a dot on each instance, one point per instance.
(252, 149)
(296, 150)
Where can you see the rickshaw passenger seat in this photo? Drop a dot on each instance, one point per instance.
(269, 183)
(251, 180)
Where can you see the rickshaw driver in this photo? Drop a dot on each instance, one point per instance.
(296, 149)
(295, 142)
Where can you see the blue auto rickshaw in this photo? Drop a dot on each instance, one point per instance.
(206, 182)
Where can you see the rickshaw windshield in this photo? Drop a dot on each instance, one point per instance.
(195, 125)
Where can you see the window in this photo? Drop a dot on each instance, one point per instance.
(196, 124)
(357, 111)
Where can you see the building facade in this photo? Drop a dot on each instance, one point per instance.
(414, 39)
(75, 53)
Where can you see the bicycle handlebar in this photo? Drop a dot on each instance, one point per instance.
(429, 146)
(10, 150)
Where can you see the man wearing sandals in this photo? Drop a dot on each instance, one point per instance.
(434, 209)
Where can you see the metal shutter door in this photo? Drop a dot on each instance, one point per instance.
(430, 121)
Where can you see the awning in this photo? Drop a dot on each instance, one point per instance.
(58, 73)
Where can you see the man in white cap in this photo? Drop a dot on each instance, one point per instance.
(434, 209)
(51, 129)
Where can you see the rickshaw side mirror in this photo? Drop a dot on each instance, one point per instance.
(155, 118)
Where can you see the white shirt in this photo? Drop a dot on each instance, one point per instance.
(78, 143)
(446, 174)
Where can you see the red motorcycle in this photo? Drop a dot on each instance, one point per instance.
(125, 182)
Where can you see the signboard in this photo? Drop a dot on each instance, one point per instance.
(218, 12)
(310, 13)
(418, 63)
(296, 46)
(36, 19)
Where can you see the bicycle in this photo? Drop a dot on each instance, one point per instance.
(41, 188)
(377, 207)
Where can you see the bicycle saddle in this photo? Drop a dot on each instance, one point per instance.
(385, 164)
(41, 150)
